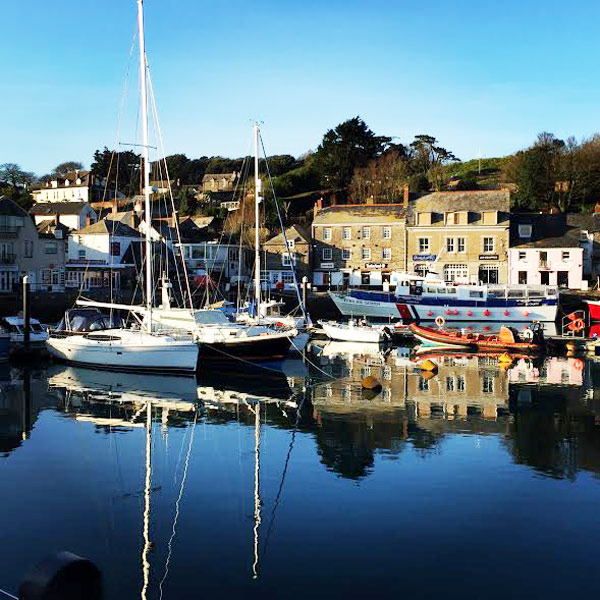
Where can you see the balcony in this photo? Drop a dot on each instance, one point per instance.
(7, 259)
(543, 266)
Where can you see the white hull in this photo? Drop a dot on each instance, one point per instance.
(356, 307)
(133, 350)
(352, 333)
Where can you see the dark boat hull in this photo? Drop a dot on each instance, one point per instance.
(260, 349)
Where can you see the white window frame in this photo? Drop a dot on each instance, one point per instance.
(461, 244)
(424, 247)
(386, 233)
(327, 254)
(522, 255)
(386, 254)
(525, 230)
(326, 234)
(346, 254)
(346, 233)
(565, 255)
(485, 239)
(365, 253)
(365, 233)
(450, 244)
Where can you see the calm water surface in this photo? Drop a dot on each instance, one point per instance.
(479, 481)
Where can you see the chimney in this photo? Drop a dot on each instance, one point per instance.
(317, 207)
(405, 195)
(57, 219)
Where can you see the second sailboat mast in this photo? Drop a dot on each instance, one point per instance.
(257, 198)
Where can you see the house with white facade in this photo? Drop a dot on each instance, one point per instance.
(76, 186)
(548, 250)
(74, 215)
(96, 255)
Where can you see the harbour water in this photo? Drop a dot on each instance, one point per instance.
(480, 480)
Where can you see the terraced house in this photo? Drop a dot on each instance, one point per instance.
(461, 236)
(358, 244)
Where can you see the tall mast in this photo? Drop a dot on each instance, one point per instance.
(257, 199)
(145, 160)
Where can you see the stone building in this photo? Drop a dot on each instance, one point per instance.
(358, 244)
(219, 182)
(461, 236)
(279, 259)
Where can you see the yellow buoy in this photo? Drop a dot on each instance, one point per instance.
(428, 365)
(505, 358)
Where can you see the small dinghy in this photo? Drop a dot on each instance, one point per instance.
(507, 339)
(354, 331)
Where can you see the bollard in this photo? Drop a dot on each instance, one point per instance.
(63, 576)
(26, 314)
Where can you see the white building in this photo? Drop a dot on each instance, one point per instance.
(74, 215)
(77, 186)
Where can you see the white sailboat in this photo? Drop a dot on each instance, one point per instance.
(123, 348)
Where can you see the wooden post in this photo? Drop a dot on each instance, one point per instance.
(26, 315)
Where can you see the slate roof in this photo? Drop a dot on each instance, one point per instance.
(50, 226)
(9, 208)
(475, 201)
(230, 176)
(108, 226)
(295, 232)
(346, 213)
(547, 231)
(58, 208)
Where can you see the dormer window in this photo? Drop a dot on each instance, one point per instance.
(67, 183)
(490, 217)
(424, 218)
(78, 182)
(525, 231)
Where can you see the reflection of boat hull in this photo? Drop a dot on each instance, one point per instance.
(125, 350)
(4, 347)
(454, 339)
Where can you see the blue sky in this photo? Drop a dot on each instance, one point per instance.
(477, 75)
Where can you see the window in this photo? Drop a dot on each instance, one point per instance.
(366, 233)
(490, 217)
(290, 244)
(424, 218)
(421, 270)
(451, 218)
(82, 255)
(545, 277)
(423, 384)
(488, 244)
(488, 274)
(523, 277)
(387, 233)
(566, 255)
(327, 254)
(562, 279)
(365, 253)
(365, 278)
(487, 383)
(449, 383)
(544, 258)
(346, 254)
(525, 231)
(449, 244)
(460, 383)
(423, 245)
(326, 234)
(287, 277)
(522, 255)
(454, 272)
(386, 253)
(28, 251)
(387, 373)
(346, 233)
(51, 248)
(115, 248)
(46, 277)
(286, 260)
(460, 242)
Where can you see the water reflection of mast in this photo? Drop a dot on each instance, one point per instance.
(256, 487)
(148, 483)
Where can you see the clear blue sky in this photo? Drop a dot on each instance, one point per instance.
(477, 75)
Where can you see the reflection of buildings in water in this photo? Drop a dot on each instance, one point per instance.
(553, 370)
(22, 397)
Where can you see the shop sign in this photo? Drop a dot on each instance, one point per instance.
(327, 265)
(424, 257)
(376, 265)
(488, 257)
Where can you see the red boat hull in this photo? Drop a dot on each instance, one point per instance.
(594, 308)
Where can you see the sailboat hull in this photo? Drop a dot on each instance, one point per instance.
(252, 348)
(125, 351)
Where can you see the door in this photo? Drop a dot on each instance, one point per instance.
(563, 279)
(545, 277)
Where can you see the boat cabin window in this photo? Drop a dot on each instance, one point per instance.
(475, 294)
(516, 293)
(451, 290)
(211, 317)
(14, 329)
(36, 327)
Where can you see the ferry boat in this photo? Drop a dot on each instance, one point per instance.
(417, 298)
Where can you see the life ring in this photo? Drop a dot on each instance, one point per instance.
(578, 325)
(440, 321)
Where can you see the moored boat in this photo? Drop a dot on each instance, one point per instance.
(355, 332)
(594, 309)
(507, 339)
